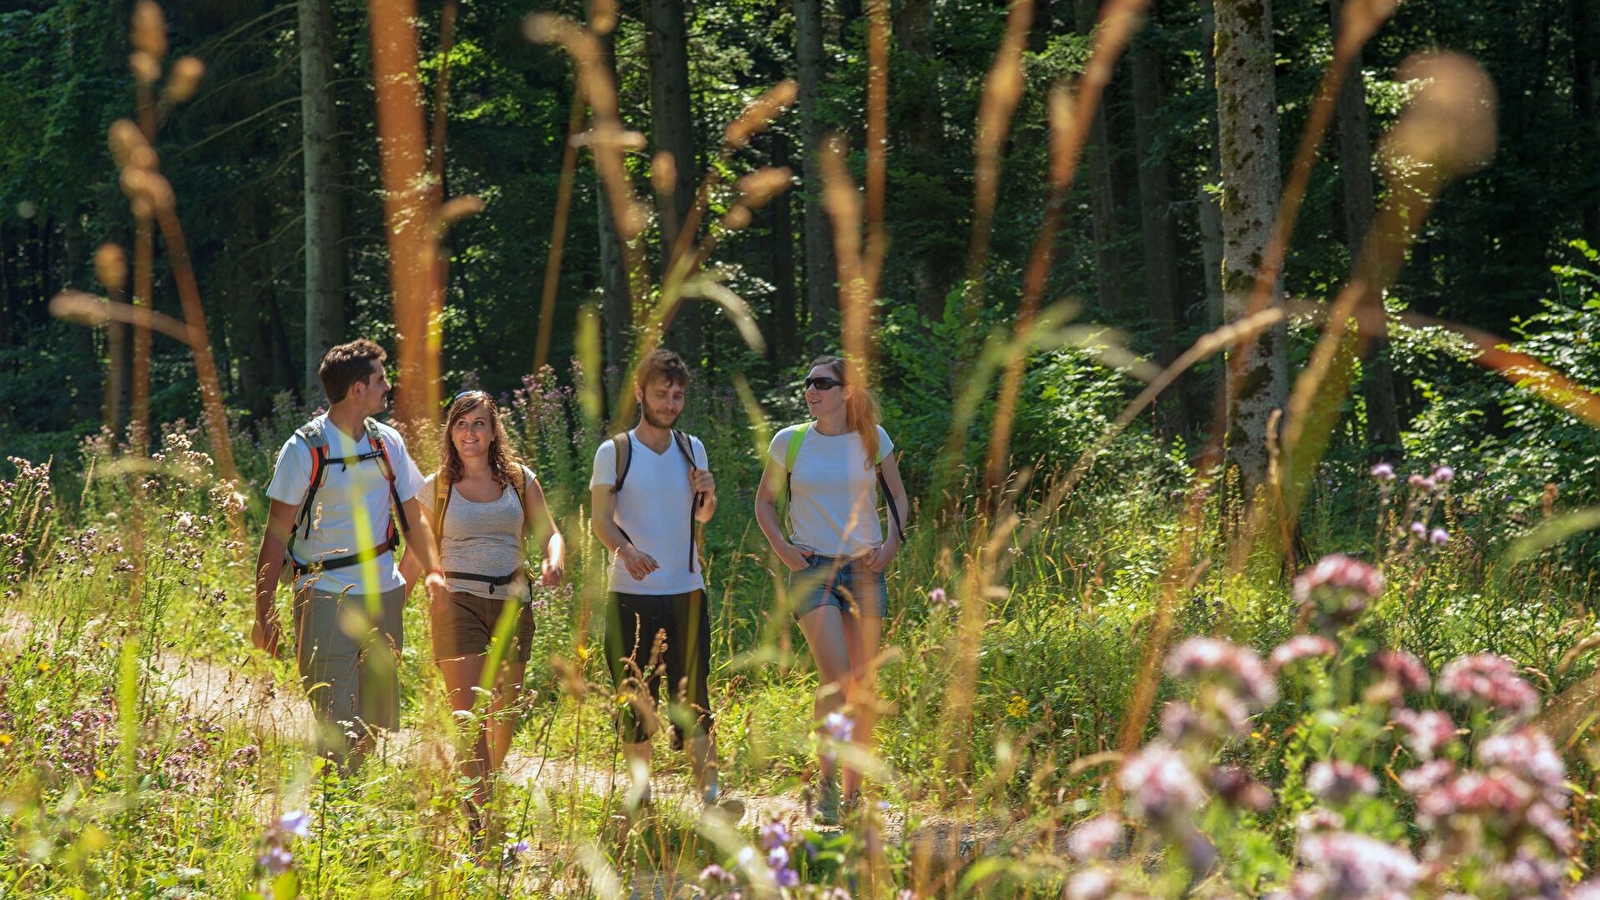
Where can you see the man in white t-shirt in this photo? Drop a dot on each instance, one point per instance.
(341, 482)
(650, 487)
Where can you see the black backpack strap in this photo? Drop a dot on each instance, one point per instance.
(894, 511)
(686, 447)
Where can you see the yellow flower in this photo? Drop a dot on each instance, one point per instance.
(583, 653)
(44, 666)
(5, 740)
(104, 646)
(622, 699)
(99, 774)
(1017, 708)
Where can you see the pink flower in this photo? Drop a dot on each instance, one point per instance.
(1353, 866)
(1405, 670)
(1339, 572)
(1090, 884)
(1240, 666)
(1337, 781)
(1427, 777)
(1529, 753)
(1382, 472)
(1300, 647)
(1444, 474)
(1438, 537)
(1490, 680)
(1159, 783)
(1426, 731)
(1095, 838)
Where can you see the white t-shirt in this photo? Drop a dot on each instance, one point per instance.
(482, 538)
(653, 509)
(351, 510)
(834, 507)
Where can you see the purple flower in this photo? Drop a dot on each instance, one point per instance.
(1338, 572)
(838, 727)
(1237, 788)
(1300, 647)
(1094, 838)
(1444, 474)
(777, 858)
(1421, 482)
(1426, 731)
(1529, 876)
(1382, 472)
(937, 598)
(1337, 781)
(1159, 783)
(774, 834)
(1427, 777)
(1240, 666)
(1419, 530)
(1351, 866)
(786, 878)
(275, 860)
(296, 823)
(1438, 537)
(1489, 680)
(715, 874)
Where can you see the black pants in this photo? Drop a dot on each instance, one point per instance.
(656, 637)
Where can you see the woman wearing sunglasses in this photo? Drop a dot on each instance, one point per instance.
(484, 505)
(831, 469)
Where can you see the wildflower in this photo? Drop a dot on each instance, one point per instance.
(1444, 474)
(1490, 680)
(276, 859)
(1427, 777)
(1353, 866)
(1090, 884)
(44, 666)
(1421, 482)
(1529, 876)
(774, 834)
(937, 598)
(838, 727)
(1338, 589)
(1419, 530)
(296, 823)
(1529, 753)
(583, 653)
(1438, 537)
(1237, 788)
(1159, 783)
(1017, 707)
(1242, 667)
(715, 874)
(1300, 647)
(1094, 838)
(1403, 669)
(1337, 781)
(1382, 472)
(5, 740)
(99, 774)
(1426, 731)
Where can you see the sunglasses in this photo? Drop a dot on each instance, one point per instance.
(467, 394)
(823, 383)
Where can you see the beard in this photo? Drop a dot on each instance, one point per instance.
(656, 421)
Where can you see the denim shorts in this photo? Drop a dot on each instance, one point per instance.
(848, 585)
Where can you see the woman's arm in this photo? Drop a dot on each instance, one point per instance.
(772, 480)
(538, 522)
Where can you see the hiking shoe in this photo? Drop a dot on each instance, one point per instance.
(827, 801)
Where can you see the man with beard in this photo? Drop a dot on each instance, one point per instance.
(340, 483)
(650, 487)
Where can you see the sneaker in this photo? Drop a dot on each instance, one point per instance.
(828, 801)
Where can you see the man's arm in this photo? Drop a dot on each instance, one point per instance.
(604, 504)
(419, 544)
(269, 565)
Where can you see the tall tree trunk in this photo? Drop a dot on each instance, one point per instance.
(920, 111)
(324, 235)
(784, 344)
(821, 293)
(1102, 193)
(1210, 207)
(672, 131)
(1156, 232)
(1247, 124)
(616, 303)
(1355, 177)
(1586, 95)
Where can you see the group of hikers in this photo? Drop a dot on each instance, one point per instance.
(345, 490)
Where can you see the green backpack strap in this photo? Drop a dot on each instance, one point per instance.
(790, 455)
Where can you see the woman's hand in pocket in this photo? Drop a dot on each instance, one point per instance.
(795, 558)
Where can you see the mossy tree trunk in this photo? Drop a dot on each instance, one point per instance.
(324, 244)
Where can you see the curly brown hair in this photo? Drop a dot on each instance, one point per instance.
(501, 459)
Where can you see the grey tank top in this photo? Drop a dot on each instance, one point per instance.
(483, 539)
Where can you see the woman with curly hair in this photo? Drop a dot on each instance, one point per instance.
(836, 549)
(484, 505)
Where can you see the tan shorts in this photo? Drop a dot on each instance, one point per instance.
(348, 649)
(468, 626)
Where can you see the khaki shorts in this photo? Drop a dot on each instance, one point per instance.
(468, 626)
(348, 649)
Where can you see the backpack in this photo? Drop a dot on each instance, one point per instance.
(792, 453)
(441, 505)
(622, 446)
(317, 441)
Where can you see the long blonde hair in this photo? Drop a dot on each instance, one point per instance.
(861, 413)
(501, 460)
